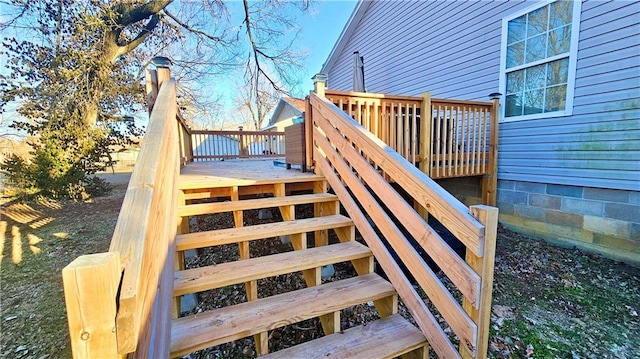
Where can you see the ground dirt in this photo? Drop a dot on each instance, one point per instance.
(549, 302)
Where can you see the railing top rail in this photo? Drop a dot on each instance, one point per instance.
(131, 237)
(440, 203)
(435, 101)
(235, 132)
(438, 101)
(371, 95)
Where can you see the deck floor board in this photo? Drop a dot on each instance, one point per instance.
(240, 172)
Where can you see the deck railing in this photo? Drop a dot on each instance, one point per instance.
(221, 145)
(120, 302)
(458, 139)
(349, 156)
(393, 119)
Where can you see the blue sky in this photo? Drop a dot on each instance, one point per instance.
(321, 31)
(320, 28)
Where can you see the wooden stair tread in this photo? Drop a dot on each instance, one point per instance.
(269, 202)
(220, 275)
(384, 338)
(211, 328)
(259, 231)
(219, 174)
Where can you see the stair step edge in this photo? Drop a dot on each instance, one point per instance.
(248, 204)
(203, 182)
(259, 231)
(383, 338)
(203, 330)
(224, 274)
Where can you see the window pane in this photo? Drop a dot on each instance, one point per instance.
(516, 29)
(557, 72)
(559, 41)
(561, 12)
(537, 21)
(533, 101)
(513, 106)
(535, 77)
(536, 48)
(515, 82)
(555, 98)
(515, 54)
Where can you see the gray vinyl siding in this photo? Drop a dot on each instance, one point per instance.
(452, 50)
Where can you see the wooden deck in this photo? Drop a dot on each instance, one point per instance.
(239, 172)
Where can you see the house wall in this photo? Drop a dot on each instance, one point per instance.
(287, 113)
(587, 164)
(282, 124)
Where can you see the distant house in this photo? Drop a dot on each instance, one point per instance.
(569, 75)
(288, 111)
(219, 146)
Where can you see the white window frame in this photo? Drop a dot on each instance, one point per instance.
(573, 57)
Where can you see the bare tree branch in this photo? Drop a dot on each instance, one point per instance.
(131, 45)
(191, 29)
(130, 14)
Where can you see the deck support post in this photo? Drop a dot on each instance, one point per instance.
(490, 181)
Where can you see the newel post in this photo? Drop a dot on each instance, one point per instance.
(484, 266)
(91, 285)
(490, 181)
(426, 118)
(319, 86)
(154, 79)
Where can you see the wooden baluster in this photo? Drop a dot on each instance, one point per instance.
(414, 134)
(450, 120)
(407, 139)
(426, 117)
(457, 142)
(437, 142)
(399, 128)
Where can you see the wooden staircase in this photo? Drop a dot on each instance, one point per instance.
(388, 337)
(127, 301)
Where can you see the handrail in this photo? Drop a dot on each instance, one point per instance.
(141, 250)
(347, 154)
(220, 145)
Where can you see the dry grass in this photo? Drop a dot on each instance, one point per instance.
(37, 240)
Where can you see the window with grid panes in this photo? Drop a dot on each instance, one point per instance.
(538, 64)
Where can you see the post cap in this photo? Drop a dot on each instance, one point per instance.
(161, 61)
(319, 78)
(495, 95)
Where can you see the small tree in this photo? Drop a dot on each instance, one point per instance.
(75, 68)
